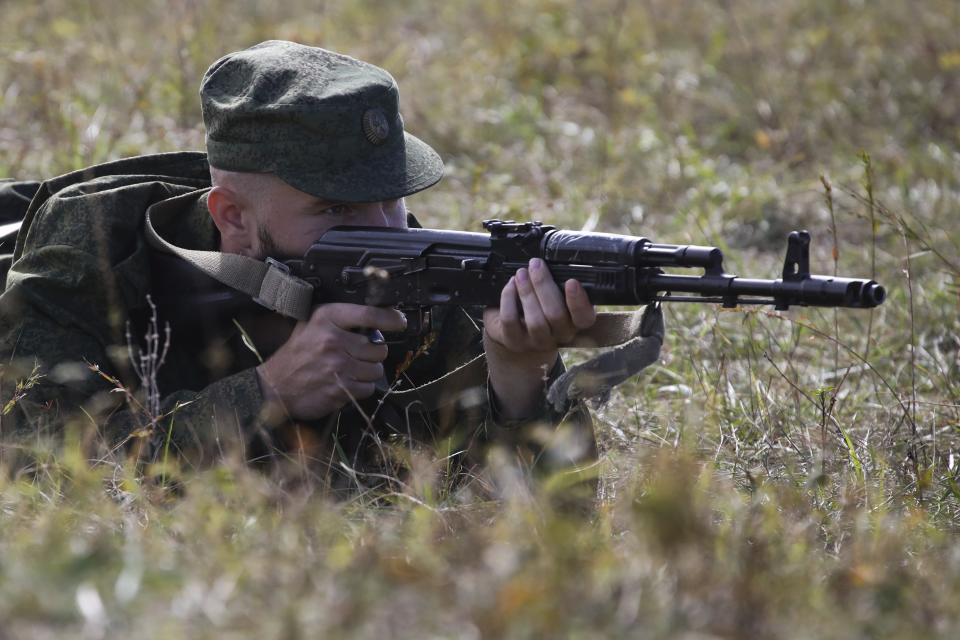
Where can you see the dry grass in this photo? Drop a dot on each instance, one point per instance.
(778, 475)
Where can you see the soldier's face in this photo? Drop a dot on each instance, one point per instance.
(290, 220)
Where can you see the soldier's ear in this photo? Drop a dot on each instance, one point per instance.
(236, 223)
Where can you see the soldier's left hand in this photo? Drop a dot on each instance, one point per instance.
(535, 316)
(522, 336)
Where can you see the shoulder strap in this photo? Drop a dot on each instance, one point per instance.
(268, 283)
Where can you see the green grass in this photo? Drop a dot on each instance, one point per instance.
(777, 474)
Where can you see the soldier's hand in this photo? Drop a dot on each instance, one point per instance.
(323, 364)
(549, 317)
(519, 346)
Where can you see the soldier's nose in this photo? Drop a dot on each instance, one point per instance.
(373, 214)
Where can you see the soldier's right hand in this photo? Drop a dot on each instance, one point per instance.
(324, 363)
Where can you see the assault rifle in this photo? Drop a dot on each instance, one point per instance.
(415, 269)
(418, 269)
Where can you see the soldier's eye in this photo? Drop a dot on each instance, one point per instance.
(336, 210)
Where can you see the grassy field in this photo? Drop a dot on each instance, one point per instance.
(788, 475)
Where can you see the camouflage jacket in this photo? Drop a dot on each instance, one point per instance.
(75, 311)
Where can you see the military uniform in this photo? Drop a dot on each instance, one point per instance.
(76, 296)
(77, 292)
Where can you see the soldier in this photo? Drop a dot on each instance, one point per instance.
(299, 140)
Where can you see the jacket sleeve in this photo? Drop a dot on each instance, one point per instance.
(549, 440)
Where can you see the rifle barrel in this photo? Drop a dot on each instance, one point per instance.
(814, 290)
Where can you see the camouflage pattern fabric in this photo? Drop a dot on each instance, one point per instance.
(76, 296)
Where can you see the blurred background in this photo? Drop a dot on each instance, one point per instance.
(781, 475)
(709, 118)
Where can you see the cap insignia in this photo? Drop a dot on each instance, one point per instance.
(375, 126)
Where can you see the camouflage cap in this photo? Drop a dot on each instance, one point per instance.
(325, 123)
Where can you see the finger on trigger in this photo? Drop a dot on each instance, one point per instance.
(356, 316)
(384, 319)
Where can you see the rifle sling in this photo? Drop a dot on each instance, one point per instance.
(268, 283)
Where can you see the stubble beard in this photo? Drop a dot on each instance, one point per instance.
(268, 246)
